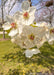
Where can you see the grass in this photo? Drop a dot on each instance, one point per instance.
(1, 29)
(6, 36)
(14, 62)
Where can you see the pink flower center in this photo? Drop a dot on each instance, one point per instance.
(26, 15)
(32, 37)
(13, 25)
(52, 31)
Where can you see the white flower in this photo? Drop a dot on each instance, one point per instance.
(29, 34)
(30, 37)
(27, 15)
(12, 25)
(33, 35)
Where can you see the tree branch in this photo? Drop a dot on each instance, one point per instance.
(12, 6)
(5, 2)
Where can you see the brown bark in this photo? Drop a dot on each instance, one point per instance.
(2, 18)
(30, 3)
(49, 3)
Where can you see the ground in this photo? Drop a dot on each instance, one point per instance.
(14, 62)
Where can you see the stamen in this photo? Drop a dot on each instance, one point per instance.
(52, 31)
(26, 15)
(31, 37)
(13, 25)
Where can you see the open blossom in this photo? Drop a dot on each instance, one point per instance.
(33, 35)
(27, 15)
(30, 36)
(11, 25)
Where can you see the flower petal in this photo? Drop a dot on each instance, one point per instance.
(30, 20)
(27, 21)
(6, 26)
(10, 19)
(32, 10)
(25, 5)
(28, 53)
(51, 41)
(35, 51)
(20, 27)
(13, 32)
(17, 15)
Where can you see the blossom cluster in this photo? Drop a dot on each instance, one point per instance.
(25, 32)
